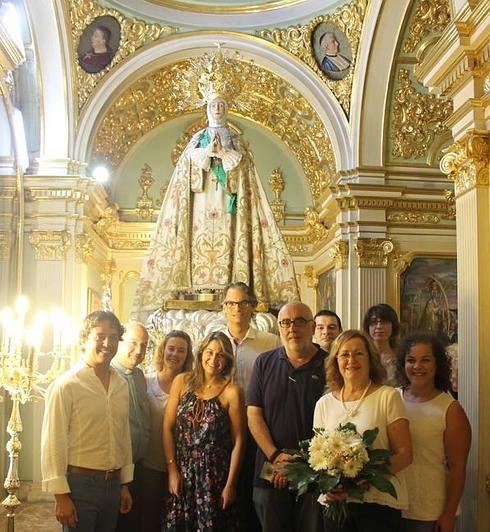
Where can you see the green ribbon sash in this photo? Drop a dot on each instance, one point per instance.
(220, 173)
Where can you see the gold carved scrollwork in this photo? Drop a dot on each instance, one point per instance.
(50, 245)
(144, 205)
(135, 33)
(401, 261)
(429, 16)
(417, 119)
(311, 277)
(277, 185)
(278, 107)
(315, 227)
(84, 247)
(339, 253)
(466, 162)
(4, 245)
(298, 41)
(109, 222)
(373, 252)
(413, 217)
(451, 205)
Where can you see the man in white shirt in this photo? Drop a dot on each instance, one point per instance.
(85, 443)
(248, 343)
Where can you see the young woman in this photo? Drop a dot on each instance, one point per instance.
(441, 436)
(203, 437)
(173, 356)
(383, 326)
(357, 395)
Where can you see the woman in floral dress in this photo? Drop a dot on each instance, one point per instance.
(203, 438)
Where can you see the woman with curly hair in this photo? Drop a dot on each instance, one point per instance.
(203, 437)
(441, 436)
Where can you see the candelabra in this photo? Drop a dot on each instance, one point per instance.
(20, 355)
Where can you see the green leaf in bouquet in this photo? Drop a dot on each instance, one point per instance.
(379, 455)
(327, 483)
(299, 473)
(369, 436)
(383, 484)
(354, 491)
(348, 427)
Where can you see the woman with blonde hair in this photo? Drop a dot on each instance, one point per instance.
(172, 356)
(203, 438)
(357, 395)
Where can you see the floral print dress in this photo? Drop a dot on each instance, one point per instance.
(203, 449)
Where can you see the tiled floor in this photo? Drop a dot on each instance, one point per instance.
(33, 517)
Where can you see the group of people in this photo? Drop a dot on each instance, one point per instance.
(199, 444)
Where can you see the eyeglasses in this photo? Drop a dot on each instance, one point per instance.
(297, 322)
(241, 304)
(378, 321)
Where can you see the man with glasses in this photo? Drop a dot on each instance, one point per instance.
(285, 386)
(130, 354)
(85, 443)
(248, 343)
(327, 328)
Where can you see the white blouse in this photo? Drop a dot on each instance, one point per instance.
(379, 409)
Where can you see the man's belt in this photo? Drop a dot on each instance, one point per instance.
(109, 474)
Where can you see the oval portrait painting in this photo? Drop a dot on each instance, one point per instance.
(98, 44)
(332, 50)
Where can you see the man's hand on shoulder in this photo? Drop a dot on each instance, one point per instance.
(65, 511)
(126, 500)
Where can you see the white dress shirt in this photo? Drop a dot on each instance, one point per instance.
(84, 425)
(247, 350)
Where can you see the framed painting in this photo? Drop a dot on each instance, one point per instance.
(428, 298)
(332, 50)
(325, 291)
(98, 44)
(94, 301)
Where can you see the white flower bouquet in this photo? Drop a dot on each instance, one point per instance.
(339, 459)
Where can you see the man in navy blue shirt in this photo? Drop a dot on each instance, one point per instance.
(285, 386)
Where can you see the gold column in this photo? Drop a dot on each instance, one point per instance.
(467, 163)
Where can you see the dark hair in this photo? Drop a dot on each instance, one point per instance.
(384, 312)
(242, 286)
(377, 372)
(196, 377)
(94, 319)
(328, 313)
(159, 358)
(442, 379)
(105, 31)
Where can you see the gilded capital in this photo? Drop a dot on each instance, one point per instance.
(311, 277)
(50, 245)
(84, 247)
(339, 253)
(373, 252)
(466, 162)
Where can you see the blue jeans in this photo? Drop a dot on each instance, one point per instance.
(96, 501)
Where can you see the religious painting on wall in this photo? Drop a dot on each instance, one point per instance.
(98, 44)
(94, 301)
(332, 51)
(325, 291)
(428, 298)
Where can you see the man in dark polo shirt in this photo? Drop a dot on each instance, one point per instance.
(285, 386)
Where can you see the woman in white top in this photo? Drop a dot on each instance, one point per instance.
(357, 395)
(441, 436)
(173, 356)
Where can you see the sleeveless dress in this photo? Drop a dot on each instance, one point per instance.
(203, 449)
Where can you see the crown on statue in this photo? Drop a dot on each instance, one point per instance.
(212, 76)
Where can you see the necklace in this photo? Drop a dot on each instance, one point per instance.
(352, 412)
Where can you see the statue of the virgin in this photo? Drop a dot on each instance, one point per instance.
(215, 225)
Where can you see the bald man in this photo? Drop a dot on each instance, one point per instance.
(130, 354)
(285, 386)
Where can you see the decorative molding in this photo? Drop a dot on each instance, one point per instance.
(311, 277)
(135, 33)
(50, 245)
(37, 193)
(413, 217)
(373, 252)
(280, 109)
(277, 185)
(144, 205)
(5, 243)
(451, 205)
(317, 231)
(84, 247)
(430, 16)
(466, 162)
(338, 252)
(417, 119)
(298, 40)
(401, 261)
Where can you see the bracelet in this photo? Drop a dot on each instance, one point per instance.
(171, 461)
(274, 455)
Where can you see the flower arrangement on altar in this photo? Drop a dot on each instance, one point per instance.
(340, 459)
